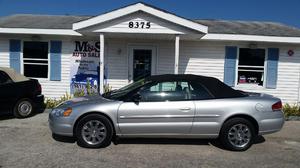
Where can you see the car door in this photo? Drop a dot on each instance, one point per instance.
(164, 108)
(6, 93)
(208, 111)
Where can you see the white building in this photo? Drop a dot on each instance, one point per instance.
(139, 40)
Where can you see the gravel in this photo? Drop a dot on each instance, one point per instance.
(28, 143)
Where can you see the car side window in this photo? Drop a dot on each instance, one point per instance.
(4, 78)
(199, 92)
(166, 91)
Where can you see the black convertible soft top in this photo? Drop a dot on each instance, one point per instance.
(214, 85)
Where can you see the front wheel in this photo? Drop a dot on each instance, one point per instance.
(237, 134)
(94, 131)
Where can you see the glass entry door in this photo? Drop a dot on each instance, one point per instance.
(141, 63)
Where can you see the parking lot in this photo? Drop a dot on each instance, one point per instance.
(28, 143)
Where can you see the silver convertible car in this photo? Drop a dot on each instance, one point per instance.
(170, 106)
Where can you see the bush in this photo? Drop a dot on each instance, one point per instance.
(51, 103)
(291, 110)
(107, 88)
(80, 92)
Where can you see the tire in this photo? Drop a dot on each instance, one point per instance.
(23, 108)
(94, 131)
(237, 134)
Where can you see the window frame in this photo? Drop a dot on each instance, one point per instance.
(48, 58)
(205, 88)
(149, 85)
(237, 67)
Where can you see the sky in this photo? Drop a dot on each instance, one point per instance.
(284, 11)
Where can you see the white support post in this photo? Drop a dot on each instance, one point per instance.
(177, 38)
(101, 86)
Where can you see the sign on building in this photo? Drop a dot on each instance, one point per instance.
(85, 66)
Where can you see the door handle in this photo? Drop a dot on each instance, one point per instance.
(185, 108)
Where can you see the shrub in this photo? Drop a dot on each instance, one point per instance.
(79, 92)
(107, 88)
(291, 110)
(51, 103)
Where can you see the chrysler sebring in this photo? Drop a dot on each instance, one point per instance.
(170, 106)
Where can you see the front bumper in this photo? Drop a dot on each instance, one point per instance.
(272, 123)
(60, 125)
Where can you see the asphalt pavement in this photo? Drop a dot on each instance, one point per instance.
(28, 143)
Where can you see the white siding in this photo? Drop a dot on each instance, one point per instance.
(205, 58)
(157, 25)
(56, 89)
(166, 57)
(116, 62)
(4, 53)
(202, 59)
(288, 76)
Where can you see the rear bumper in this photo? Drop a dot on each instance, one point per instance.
(273, 123)
(39, 103)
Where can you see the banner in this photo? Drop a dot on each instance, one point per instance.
(85, 66)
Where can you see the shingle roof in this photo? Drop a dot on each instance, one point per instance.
(40, 21)
(214, 26)
(250, 28)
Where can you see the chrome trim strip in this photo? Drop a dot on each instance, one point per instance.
(207, 115)
(155, 116)
(169, 116)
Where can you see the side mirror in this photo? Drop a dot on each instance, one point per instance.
(136, 98)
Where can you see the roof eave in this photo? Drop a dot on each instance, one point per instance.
(140, 7)
(252, 38)
(62, 32)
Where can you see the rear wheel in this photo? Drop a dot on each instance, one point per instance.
(237, 134)
(23, 108)
(94, 131)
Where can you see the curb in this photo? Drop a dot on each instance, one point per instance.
(47, 110)
(292, 118)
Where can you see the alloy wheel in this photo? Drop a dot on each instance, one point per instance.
(239, 135)
(93, 132)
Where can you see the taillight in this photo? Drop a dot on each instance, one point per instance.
(277, 106)
(39, 88)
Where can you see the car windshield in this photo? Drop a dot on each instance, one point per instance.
(119, 93)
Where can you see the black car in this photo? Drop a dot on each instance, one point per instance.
(19, 95)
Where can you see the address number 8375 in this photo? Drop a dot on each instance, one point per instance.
(139, 25)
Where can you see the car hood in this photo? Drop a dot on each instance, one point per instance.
(97, 99)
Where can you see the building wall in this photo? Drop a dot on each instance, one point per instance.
(201, 58)
(206, 58)
(116, 58)
(51, 89)
(4, 53)
(288, 75)
(56, 89)
(116, 62)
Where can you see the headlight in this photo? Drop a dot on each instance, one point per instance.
(62, 112)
